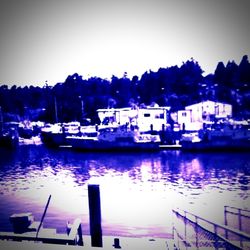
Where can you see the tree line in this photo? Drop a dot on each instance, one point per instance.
(78, 98)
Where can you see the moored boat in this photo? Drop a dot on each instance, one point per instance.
(9, 137)
(54, 135)
(223, 137)
(115, 138)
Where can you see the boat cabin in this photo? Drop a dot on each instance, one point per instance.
(146, 119)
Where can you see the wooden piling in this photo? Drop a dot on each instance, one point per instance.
(43, 216)
(95, 215)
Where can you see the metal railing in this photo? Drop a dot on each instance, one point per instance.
(242, 215)
(199, 232)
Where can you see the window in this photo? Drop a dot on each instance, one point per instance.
(159, 116)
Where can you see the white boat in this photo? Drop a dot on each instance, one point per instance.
(221, 137)
(55, 134)
(115, 138)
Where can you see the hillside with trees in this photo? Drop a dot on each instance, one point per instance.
(78, 98)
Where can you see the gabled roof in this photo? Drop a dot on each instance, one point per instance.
(204, 102)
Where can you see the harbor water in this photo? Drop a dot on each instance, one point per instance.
(138, 190)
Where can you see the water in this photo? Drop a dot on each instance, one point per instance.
(138, 191)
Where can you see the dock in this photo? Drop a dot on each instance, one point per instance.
(189, 231)
(109, 243)
(194, 232)
(29, 234)
(170, 146)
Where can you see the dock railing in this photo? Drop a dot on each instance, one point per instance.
(237, 218)
(191, 231)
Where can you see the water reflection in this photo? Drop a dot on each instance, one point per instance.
(138, 191)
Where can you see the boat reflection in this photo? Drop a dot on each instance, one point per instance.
(192, 170)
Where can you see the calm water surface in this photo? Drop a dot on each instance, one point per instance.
(137, 190)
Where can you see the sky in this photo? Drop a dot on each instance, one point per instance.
(47, 40)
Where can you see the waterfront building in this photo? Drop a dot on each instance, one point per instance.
(195, 115)
(148, 118)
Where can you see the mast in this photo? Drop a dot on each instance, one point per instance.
(56, 115)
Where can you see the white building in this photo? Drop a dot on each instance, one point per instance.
(145, 118)
(114, 115)
(196, 114)
(154, 117)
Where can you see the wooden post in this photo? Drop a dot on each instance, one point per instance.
(216, 237)
(95, 215)
(151, 127)
(116, 243)
(43, 216)
(79, 231)
(225, 218)
(185, 227)
(196, 232)
(239, 217)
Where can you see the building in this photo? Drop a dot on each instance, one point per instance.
(152, 118)
(149, 118)
(196, 114)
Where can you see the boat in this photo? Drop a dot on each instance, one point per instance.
(223, 137)
(150, 120)
(28, 129)
(115, 138)
(9, 137)
(54, 135)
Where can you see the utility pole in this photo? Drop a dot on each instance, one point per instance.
(56, 115)
(82, 108)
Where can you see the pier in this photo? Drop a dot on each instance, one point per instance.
(47, 235)
(126, 243)
(190, 231)
(29, 234)
(194, 232)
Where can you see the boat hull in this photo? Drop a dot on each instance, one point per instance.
(218, 145)
(9, 138)
(53, 139)
(98, 145)
(9, 141)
